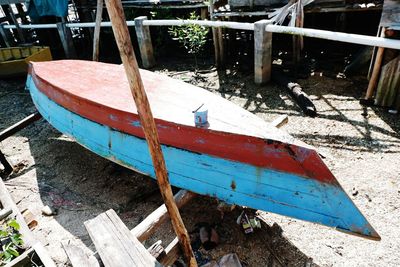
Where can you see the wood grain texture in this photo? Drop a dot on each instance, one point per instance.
(148, 226)
(172, 253)
(29, 240)
(97, 28)
(115, 244)
(77, 256)
(124, 43)
(232, 182)
(145, 44)
(262, 52)
(373, 81)
(83, 87)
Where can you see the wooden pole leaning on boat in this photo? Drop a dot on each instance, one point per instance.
(120, 29)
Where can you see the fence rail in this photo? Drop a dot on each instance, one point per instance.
(314, 33)
(263, 30)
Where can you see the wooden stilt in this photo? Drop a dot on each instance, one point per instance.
(18, 28)
(144, 40)
(373, 81)
(124, 43)
(221, 53)
(66, 40)
(97, 27)
(22, 13)
(217, 39)
(6, 38)
(298, 40)
(203, 13)
(216, 47)
(262, 52)
(9, 19)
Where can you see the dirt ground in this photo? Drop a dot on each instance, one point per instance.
(361, 146)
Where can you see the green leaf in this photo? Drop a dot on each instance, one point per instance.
(3, 233)
(17, 240)
(14, 224)
(13, 251)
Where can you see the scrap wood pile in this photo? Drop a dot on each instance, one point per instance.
(18, 245)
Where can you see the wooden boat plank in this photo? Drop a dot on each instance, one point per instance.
(116, 245)
(230, 181)
(228, 136)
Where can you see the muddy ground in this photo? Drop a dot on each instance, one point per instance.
(361, 146)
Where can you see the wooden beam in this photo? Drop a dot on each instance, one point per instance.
(18, 28)
(21, 13)
(280, 121)
(115, 244)
(19, 125)
(262, 52)
(97, 28)
(145, 44)
(217, 40)
(77, 256)
(148, 226)
(124, 43)
(8, 203)
(373, 81)
(66, 40)
(298, 40)
(5, 35)
(172, 253)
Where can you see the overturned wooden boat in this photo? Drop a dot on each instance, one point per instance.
(237, 157)
(14, 60)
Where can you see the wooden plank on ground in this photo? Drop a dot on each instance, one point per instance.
(77, 256)
(116, 245)
(144, 229)
(172, 253)
(29, 241)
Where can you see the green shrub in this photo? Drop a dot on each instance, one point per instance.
(193, 37)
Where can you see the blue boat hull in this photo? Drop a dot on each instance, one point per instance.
(230, 181)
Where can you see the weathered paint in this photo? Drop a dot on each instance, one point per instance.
(99, 92)
(231, 181)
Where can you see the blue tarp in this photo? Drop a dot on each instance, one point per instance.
(40, 8)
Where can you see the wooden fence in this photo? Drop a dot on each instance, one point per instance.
(263, 30)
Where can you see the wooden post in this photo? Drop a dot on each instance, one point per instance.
(220, 39)
(9, 19)
(144, 40)
(262, 52)
(298, 40)
(22, 13)
(373, 81)
(203, 13)
(128, 58)
(97, 28)
(217, 39)
(66, 40)
(15, 21)
(5, 35)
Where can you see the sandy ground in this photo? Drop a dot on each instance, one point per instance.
(361, 146)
